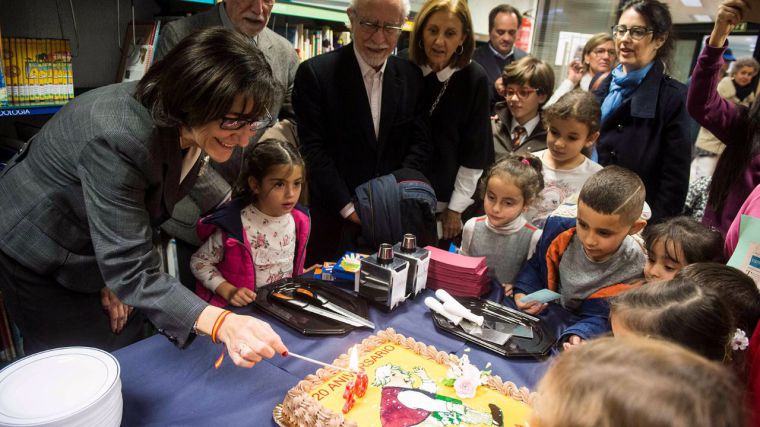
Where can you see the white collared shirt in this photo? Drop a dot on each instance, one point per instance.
(499, 54)
(529, 126)
(442, 75)
(373, 83)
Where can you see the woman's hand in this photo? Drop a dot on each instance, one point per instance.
(354, 217)
(507, 289)
(730, 14)
(249, 340)
(452, 224)
(117, 311)
(575, 71)
(498, 84)
(533, 307)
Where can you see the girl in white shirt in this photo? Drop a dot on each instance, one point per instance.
(572, 125)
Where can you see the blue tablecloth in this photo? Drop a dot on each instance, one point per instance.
(163, 385)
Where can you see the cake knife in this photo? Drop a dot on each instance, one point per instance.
(315, 299)
(288, 300)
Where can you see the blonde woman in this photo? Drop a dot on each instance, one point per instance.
(598, 58)
(456, 100)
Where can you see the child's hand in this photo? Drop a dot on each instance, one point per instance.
(242, 297)
(533, 307)
(572, 342)
(507, 289)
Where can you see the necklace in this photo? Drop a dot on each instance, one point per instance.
(440, 94)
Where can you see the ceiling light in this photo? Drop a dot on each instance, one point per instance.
(692, 3)
(701, 18)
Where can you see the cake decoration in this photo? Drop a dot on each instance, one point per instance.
(409, 383)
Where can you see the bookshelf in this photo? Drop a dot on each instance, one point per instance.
(29, 111)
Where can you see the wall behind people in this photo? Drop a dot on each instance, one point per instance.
(98, 56)
(579, 16)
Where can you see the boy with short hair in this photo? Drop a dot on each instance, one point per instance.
(517, 127)
(590, 257)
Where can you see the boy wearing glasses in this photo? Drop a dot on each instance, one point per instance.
(359, 117)
(517, 126)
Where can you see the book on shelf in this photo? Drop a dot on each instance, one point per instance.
(309, 42)
(37, 71)
(140, 42)
(3, 85)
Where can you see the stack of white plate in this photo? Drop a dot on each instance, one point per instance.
(67, 387)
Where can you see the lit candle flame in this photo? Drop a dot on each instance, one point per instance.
(353, 360)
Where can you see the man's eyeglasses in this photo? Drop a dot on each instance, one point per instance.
(521, 93)
(601, 51)
(229, 123)
(637, 33)
(370, 27)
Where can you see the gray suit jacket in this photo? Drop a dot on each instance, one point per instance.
(81, 201)
(214, 186)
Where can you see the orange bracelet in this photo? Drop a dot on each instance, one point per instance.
(214, 330)
(218, 324)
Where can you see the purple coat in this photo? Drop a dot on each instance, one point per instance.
(237, 263)
(727, 123)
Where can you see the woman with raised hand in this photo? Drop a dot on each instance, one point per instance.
(82, 200)
(456, 92)
(738, 170)
(589, 71)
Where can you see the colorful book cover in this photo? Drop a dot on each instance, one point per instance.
(10, 73)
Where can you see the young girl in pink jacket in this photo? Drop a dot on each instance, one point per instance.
(260, 235)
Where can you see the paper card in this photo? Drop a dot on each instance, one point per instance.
(542, 296)
(398, 285)
(746, 256)
(423, 265)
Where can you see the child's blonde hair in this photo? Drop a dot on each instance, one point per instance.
(523, 170)
(636, 381)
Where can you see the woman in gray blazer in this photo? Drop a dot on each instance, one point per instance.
(82, 200)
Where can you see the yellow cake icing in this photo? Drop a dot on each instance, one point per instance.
(400, 370)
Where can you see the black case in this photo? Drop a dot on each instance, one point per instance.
(538, 346)
(303, 321)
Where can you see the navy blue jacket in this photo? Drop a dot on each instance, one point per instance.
(649, 134)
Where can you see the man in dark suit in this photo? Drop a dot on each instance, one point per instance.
(358, 118)
(503, 23)
(247, 17)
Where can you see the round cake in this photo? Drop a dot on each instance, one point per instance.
(407, 385)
